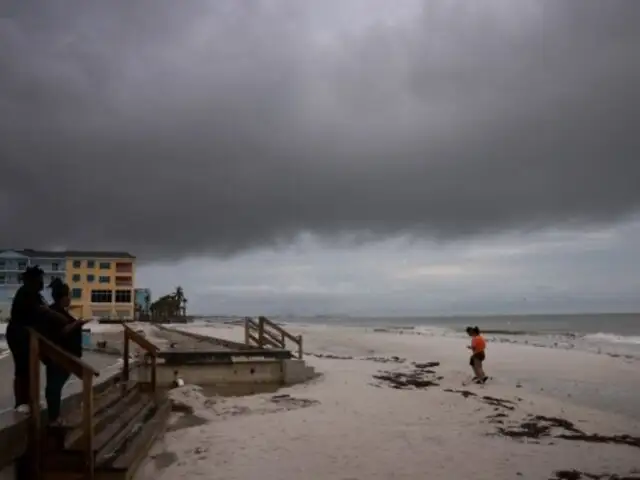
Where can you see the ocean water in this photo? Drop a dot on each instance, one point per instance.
(607, 334)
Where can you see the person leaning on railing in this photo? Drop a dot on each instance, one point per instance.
(68, 338)
(28, 309)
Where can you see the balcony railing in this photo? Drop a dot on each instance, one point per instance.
(124, 268)
(19, 268)
(124, 281)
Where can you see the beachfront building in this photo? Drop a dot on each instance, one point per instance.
(14, 262)
(102, 283)
(142, 300)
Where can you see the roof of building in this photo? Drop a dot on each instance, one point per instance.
(89, 254)
(28, 252)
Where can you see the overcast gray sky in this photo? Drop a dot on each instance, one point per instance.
(328, 156)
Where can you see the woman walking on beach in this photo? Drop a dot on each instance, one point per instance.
(69, 338)
(477, 347)
(28, 309)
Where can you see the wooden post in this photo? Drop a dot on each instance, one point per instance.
(125, 358)
(300, 346)
(87, 420)
(35, 435)
(154, 362)
(261, 332)
(247, 326)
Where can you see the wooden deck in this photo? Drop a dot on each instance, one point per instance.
(200, 357)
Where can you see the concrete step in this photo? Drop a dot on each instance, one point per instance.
(297, 371)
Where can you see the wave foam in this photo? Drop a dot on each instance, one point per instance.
(613, 338)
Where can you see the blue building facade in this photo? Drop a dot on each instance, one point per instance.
(14, 262)
(142, 300)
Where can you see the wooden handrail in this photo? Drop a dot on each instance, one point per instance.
(269, 334)
(277, 340)
(279, 329)
(249, 325)
(140, 340)
(68, 362)
(40, 345)
(151, 349)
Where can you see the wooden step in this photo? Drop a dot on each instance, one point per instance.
(110, 424)
(108, 409)
(122, 456)
(108, 442)
(131, 453)
(60, 436)
(101, 401)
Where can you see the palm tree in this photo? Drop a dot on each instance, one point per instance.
(147, 303)
(180, 300)
(168, 306)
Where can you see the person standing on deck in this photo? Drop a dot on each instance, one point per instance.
(69, 338)
(28, 309)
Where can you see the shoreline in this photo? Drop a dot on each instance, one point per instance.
(568, 374)
(597, 341)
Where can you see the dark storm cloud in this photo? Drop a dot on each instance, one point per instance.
(173, 128)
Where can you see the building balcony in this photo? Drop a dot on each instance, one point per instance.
(124, 267)
(19, 267)
(124, 281)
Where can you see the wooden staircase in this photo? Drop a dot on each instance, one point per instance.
(109, 436)
(264, 333)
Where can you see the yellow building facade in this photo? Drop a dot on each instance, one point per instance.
(102, 284)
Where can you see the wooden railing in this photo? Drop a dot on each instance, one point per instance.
(151, 350)
(41, 347)
(265, 333)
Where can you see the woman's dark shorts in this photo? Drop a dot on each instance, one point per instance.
(479, 357)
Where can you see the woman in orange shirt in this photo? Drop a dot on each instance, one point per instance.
(478, 346)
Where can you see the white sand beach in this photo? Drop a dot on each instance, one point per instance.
(347, 425)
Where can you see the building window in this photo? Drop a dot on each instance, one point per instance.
(76, 293)
(77, 263)
(123, 296)
(105, 265)
(75, 278)
(124, 281)
(55, 267)
(91, 264)
(102, 279)
(22, 265)
(2, 280)
(123, 314)
(91, 278)
(3, 265)
(101, 296)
